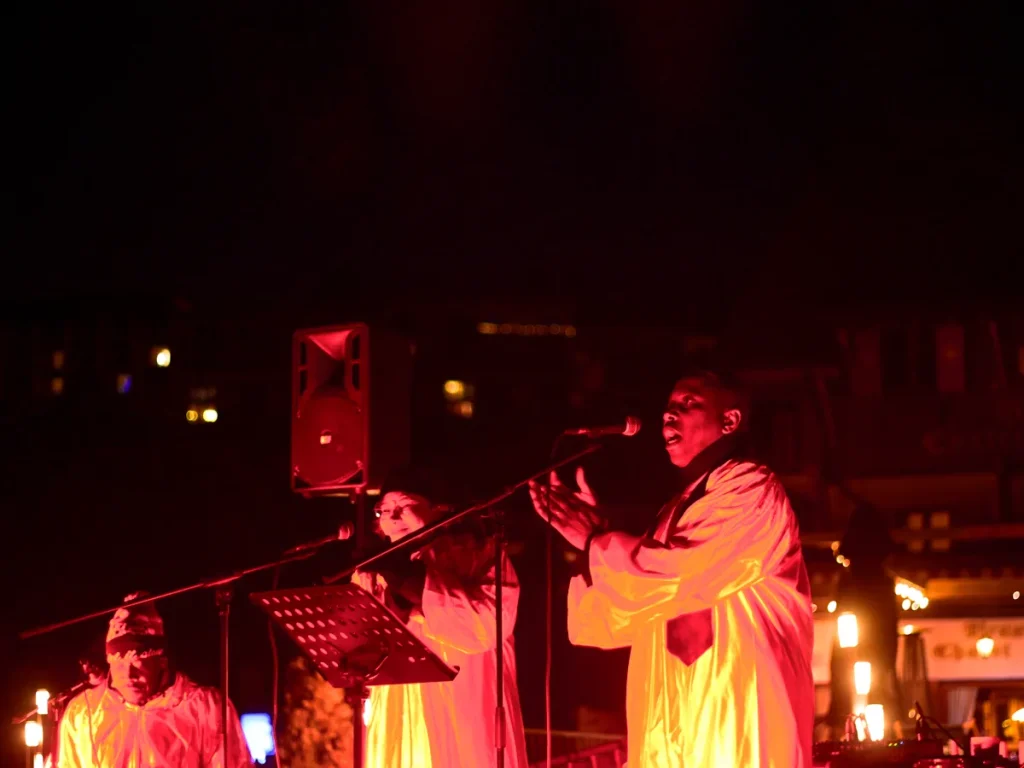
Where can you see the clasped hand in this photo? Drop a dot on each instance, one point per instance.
(366, 581)
(572, 513)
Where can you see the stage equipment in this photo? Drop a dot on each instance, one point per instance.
(354, 642)
(351, 394)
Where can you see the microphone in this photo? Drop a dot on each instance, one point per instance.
(630, 428)
(345, 531)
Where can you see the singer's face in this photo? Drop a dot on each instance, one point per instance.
(693, 420)
(402, 513)
(138, 680)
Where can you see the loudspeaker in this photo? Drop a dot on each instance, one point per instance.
(351, 394)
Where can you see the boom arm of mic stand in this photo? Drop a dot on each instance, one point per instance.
(423, 533)
(205, 584)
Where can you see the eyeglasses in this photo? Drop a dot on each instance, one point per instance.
(398, 509)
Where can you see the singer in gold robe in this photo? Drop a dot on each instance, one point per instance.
(714, 601)
(445, 591)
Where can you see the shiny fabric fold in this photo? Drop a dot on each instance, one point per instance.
(747, 699)
(180, 728)
(451, 725)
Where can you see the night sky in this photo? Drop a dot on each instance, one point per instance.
(278, 165)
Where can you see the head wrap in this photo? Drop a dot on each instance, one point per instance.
(136, 631)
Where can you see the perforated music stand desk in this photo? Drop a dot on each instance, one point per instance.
(351, 638)
(354, 642)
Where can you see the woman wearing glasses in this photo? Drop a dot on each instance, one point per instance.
(444, 591)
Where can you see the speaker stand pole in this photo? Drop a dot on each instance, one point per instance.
(499, 562)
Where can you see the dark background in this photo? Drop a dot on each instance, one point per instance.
(214, 177)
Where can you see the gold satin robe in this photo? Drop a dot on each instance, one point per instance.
(748, 700)
(179, 728)
(451, 725)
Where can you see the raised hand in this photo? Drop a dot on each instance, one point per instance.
(572, 513)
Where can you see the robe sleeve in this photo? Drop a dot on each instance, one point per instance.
(459, 608)
(735, 535)
(238, 749)
(68, 751)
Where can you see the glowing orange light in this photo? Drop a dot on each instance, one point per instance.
(831, 606)
(33, 734)
(985, 646)
(569, 331)
(209, 415)
(454, 389)
(57, 385)
(325, 438)
(465, 409)
(847, 627)
(487, 329)
(192, 414)
(875, 715)
(160, 356)
(908, 629)
(862, 677)
(58, 359)
(43, 701)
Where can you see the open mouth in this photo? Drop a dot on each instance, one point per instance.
(671, 438)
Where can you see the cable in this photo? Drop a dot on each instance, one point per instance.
(273, 651)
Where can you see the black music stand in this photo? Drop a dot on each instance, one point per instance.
(354, 642)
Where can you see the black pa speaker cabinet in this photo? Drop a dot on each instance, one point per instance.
(351, 394)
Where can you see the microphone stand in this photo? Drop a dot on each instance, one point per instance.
(499, 556)
(224, 591)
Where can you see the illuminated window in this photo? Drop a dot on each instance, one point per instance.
(124, 383)
(160, 357)
(454, 389)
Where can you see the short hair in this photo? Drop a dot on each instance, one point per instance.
(727, 385)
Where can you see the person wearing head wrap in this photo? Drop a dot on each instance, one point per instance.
(145, 713)
(445, 592)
